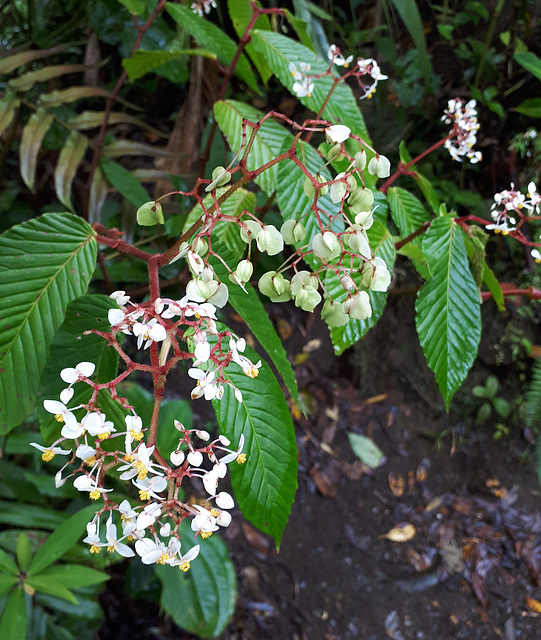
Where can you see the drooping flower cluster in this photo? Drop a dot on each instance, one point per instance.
(203, 6)
(463, 117)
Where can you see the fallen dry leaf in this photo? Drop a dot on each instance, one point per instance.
(397, 484)
(534, 605)
(400, 533)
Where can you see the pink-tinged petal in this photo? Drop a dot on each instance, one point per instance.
(86, 369)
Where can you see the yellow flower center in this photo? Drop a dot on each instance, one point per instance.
(129, 458)
(241, 458)
(144, 495)
(94, 549)
(47, 455)
(162, 559)
(184, 566)
(110, 548)
(90, 461)
(136, 435)
(142, 471)
(95, 495)
(104, 435)
(59, 417)
(215, 512)
(206, 534)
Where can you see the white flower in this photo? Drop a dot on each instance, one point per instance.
(85, 452)
(304, 88)
(61, 412)
(536, 255)
(234, 455)
(177, 458)
(120, 297)
(183, 562)
(148, 516)
(337, 133)
(152, 487)
(224, 500)
(195, 458)
(204, 522)
(48, 453)
(97, 425)
(115, 544)
(152, 331)
(82, 370)
(338, 59)
(205, 384)
(87, 483)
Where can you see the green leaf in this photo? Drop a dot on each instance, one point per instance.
(6, 583)
(530, 107)
(265, 485)
(135, 7)
(65, 96)
(74, 576)
(240, 12)
(13, 622)
(124, 182)
(502, 407)
(408, 11)
(423, 183)
(268, 143)
(8, 107)
(202, 600)
(61, 540)
(7, 563)
(342, 108)
(32, 137)
(211, 37)
(248, 305)
(54, 588)
(529, 61)
(448, 314)
(71, 155)
(343, 337)
(407, 211)
(69, 347)
(492, 284)
(31, 516)
(366, 450)
(44, 264)
(26, 81)
(94, 119)
(532, 406)
(24, 551)
(143, 62)
(9, 64)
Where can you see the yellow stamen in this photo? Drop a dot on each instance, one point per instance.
(184, 566)
(241, 458)
(47, 455)
(144, 495)
(206, 534)
(129, 458)
(142, 471)
(136, 435)
(215, 512)
(95, 495)
(94, 549)
(91, 461)
(162, 559)
(110, 548)
(104, 435)
(59, 417)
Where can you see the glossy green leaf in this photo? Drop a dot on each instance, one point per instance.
(240, 12)
(143, 62)
(71, 155)
(202, 600)
(212, 38)
(268, 143)
(74, 576)
(366, 450)
(7, 563)
(529, 61)
(492, 284)
(46, 584)
(265, 485)
(342, 107)
(423, 183)
(70, 346)
(24, 551)
(409, 12)
(407, 211)
(448, 316)
(44, 264)
(32, 137)
(17, 514)
(13, 621)
(8, 107)
(249, 307)
(7, 582)
(124, 182)
(344, 337)
(530, 107)
(135, 7)
(62, 539)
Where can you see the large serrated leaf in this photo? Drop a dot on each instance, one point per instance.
(44, 264)
(343, 337)
(71, 155)
(69, 347)
(268, 143)
(248, 305)
(448, 315)
(240, 12)
(265, 484)
(143, 62)
(342, 107)
(407, 211)
(32, 137)
(211, 37)
(202, 600)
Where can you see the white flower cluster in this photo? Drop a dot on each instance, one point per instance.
(203, 6)
(303, 85)
(363, 67)
(153, 525)
(463, 117)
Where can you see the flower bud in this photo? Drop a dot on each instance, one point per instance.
(200, 246)
(361, 200)
(358, 306)
(195, 262)
(379, 166)
(242, 273)
(333, 314)
(293, 232)
(339, 188)
(326, 246)
(220, 176)
(269, 240)
(334, 153)
(197, 290)
(307, 298)
(360, 160)
(275, 286)
(253, 227)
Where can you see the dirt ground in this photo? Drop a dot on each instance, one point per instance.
(468, 506)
